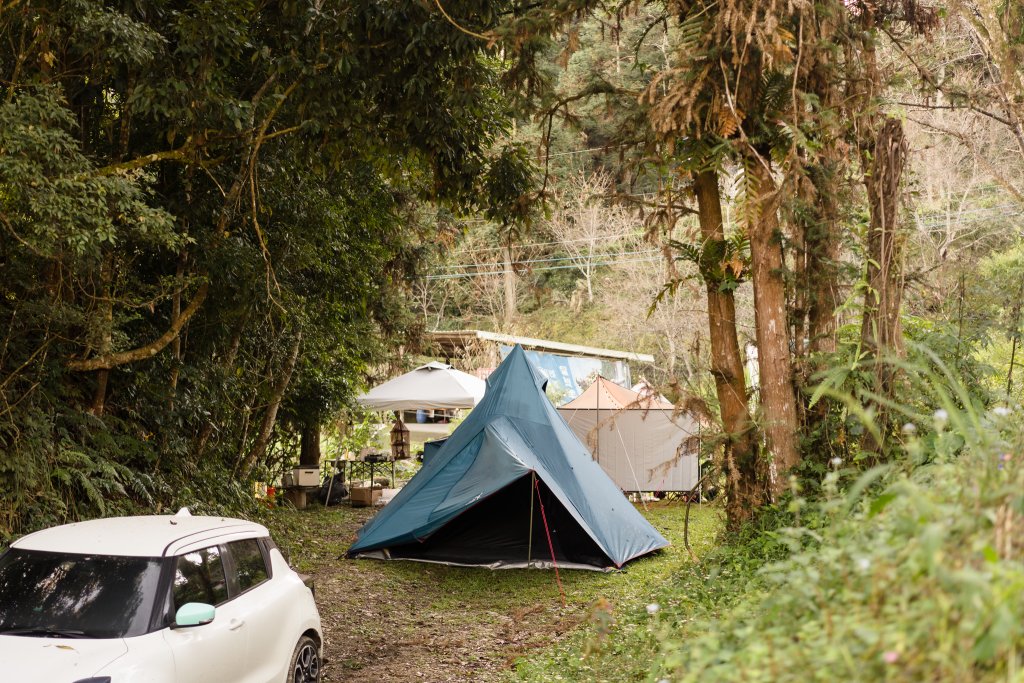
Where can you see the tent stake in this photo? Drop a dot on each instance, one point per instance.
(529, 539)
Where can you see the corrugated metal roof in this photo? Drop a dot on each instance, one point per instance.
(460, 338)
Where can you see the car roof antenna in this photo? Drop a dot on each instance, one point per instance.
(183, 512)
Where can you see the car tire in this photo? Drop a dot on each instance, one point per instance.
(305, 664)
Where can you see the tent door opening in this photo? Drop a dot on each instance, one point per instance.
(497, 530)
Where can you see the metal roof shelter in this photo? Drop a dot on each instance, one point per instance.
(568, 367)
(453, 341)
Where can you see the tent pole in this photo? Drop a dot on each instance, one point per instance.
(529, 539)
(597, 446)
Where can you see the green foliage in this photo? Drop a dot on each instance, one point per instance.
(360, 434)
(508, 185)
(268, 170)
(624, 635)
(912, 576)
(905, 571)
(722, 264)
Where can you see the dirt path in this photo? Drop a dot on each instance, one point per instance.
(407, 621)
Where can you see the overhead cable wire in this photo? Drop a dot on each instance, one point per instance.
(460, 276)
(938, 215)
(590, 150)
(556, 259)
(578, 261)
(542, 244)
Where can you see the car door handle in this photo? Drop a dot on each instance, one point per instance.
(235, 624)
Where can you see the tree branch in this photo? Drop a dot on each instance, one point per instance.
(1018, 195)
(149, 350)
(145, 160)
(969, 107)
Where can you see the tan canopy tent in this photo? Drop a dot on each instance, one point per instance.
(636, 438)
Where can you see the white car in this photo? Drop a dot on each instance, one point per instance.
(161, 599)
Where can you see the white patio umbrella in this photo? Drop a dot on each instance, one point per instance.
(433, 386)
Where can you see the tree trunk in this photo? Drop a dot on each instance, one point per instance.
(881, 333)
(778, 400)
(744, 491)
(817, 231)
(883, 150)
(259, 446)
(227, 364)
(880, 330)
(817, 294)
(176, 344)
(821, 245)
(510, 290)
(99, 400)
(309, 452)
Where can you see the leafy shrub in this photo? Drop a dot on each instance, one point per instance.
(910, 570)
(913, 572)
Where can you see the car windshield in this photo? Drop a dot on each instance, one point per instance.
(85, 596)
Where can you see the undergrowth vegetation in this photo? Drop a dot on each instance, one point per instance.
(906, 570)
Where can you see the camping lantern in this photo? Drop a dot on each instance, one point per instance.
(399, 440)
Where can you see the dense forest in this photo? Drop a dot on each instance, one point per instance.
(211, 212)
(220, 220)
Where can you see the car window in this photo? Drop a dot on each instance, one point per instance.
(97, 596)
(250, 566)
(199, 577)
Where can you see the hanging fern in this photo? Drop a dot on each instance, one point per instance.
(720, 263)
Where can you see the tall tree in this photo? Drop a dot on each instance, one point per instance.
(745, 491)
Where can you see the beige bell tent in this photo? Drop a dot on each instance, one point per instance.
(637, 438)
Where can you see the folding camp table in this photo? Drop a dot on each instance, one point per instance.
(368, 468)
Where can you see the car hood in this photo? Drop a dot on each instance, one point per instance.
(56, 660)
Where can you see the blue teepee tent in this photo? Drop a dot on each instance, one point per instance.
(508, 487)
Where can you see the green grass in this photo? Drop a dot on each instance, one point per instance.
(907, 572)
(300, 534)
(621, 638)
(523, 587)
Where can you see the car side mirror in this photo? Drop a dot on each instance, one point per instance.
(194, 614)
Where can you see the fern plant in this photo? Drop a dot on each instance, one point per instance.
(722, 264)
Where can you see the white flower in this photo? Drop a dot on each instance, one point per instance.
(940, 415)
(653, 608)
(836, 461)
(863, 564)
(910, 428)
(1001, 411)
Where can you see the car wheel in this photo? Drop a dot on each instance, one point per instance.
(305, 666)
